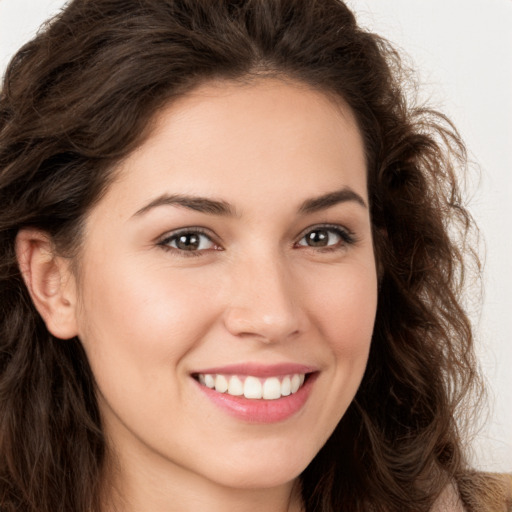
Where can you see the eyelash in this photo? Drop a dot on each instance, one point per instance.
(164, 243)
(346, 239)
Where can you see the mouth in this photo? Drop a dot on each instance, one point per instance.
(256, 393)
(253, 387)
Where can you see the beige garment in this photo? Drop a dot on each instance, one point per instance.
(477, 492)
(449, 501)
(485, 492)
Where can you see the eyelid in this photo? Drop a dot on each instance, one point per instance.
(164, 240)
(348, 237)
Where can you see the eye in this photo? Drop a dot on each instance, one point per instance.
(188, 241)
(326, 237)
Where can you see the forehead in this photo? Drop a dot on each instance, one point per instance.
(229, 138)
(252, 107)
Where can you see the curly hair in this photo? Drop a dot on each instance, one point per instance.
(81, 96)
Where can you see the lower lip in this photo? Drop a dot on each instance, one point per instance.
(261, 411)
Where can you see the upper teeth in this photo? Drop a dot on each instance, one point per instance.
(270, 388)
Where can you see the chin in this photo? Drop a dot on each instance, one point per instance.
(277, 468)
(259, 478)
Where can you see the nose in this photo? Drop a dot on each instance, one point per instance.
(263, 302)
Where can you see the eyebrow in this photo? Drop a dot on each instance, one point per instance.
(331, 199)
(199, 204)
(223, 208)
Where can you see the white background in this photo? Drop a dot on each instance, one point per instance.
(462, 50)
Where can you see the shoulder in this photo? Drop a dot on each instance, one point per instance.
(485, 492)
(474, 491)
(449, 501)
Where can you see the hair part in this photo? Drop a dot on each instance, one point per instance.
(82, 95)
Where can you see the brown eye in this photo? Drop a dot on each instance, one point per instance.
(188, 241)
(319, 238)
(326, 237)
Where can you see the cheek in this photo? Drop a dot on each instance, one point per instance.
(344, 309)
(142, 313)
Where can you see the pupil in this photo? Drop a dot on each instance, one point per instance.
(318, 238)
(188, 242)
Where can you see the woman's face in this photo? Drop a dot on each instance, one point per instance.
(234, 251)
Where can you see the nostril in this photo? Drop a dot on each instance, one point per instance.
(262, 325)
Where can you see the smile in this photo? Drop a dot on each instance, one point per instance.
(257, 393)
(251, 387)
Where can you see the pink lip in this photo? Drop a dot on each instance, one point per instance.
(260, 411)
(259, 370)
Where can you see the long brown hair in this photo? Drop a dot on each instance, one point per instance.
(81, 96)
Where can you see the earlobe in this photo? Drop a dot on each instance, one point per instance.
(49, 281)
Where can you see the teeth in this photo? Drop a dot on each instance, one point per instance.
(295, 383)
(236, 386)
(271, 389)
(209, 381)
(221, 384)
(286, 386)
(251, 387)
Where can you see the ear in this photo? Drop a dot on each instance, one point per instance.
(49, 280)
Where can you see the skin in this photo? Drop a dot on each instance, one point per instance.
(148, 315)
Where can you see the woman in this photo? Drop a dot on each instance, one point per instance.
(231, 267)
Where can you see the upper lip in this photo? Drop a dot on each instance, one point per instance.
(259, 370)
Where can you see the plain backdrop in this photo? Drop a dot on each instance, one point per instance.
(462, 51)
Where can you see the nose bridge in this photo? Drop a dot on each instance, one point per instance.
(262, 301)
